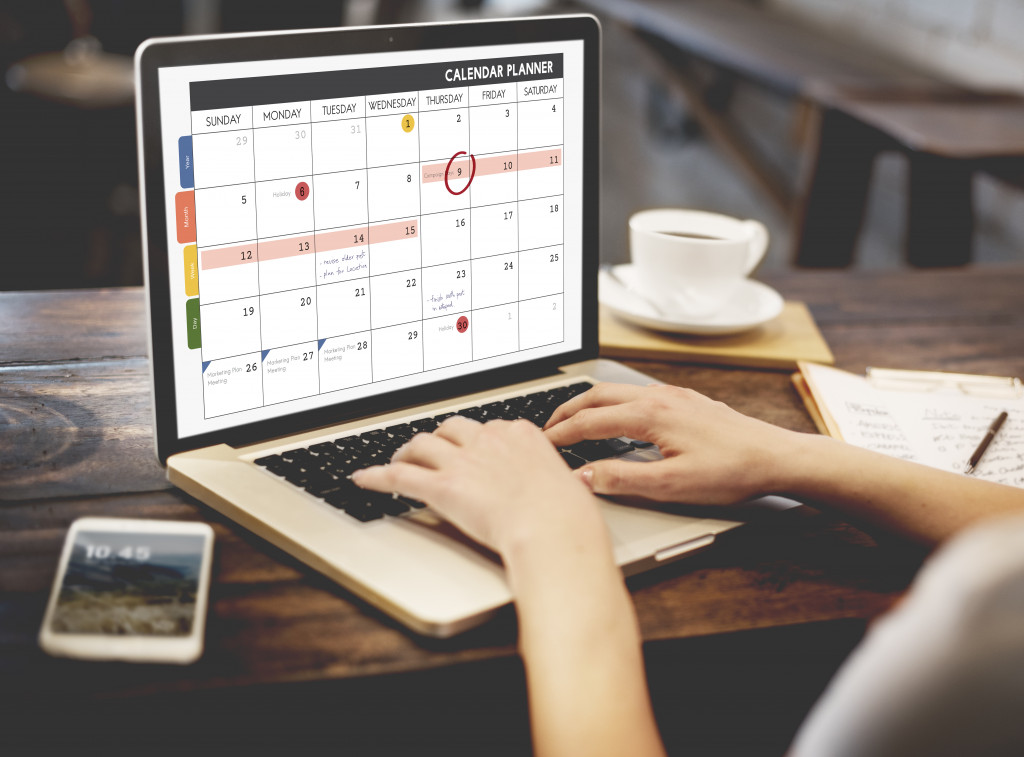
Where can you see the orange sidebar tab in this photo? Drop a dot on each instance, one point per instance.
(191, 271)
(185, 212)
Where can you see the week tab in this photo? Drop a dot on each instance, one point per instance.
(191, 271)
(186, 175)
(221, 119)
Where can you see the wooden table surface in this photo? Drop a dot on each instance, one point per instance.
(75, 440)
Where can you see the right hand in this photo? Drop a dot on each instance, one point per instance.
(713, 454)
(501, 483)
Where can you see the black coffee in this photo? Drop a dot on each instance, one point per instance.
(690, 235)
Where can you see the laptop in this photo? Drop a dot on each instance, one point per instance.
(351, 234)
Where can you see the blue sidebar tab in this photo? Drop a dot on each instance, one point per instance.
(186, 163)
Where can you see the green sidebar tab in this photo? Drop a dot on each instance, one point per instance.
(195, 334)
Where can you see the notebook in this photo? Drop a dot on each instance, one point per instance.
(937, 419)
(351, 234)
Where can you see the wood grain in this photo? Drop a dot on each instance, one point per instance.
(273, 620)
(77, 428)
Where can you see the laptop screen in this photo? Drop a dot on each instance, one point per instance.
(345, 226)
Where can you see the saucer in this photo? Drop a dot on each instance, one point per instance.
(752, 304)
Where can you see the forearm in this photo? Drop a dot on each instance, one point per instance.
(911, 500)
(582, 651)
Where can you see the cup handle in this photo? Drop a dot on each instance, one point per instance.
(758, 245)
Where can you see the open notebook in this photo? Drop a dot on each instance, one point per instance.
(930, 418)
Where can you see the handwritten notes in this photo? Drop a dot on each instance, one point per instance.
(454, 300)
(938, 428)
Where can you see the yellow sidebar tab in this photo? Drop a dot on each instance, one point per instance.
(191, 271)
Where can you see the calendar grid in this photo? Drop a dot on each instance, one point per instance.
(370, 213)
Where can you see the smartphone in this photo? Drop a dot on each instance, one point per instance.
(132, 590)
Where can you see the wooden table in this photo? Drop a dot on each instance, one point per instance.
(75, 440)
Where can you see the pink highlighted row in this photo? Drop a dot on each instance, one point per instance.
(494, 164)
(306, 244)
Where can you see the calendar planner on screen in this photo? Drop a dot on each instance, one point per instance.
(338, 231)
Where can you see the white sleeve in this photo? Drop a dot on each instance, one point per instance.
(942, 674)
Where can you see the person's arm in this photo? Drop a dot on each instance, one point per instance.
(506, 487)
(715, 455)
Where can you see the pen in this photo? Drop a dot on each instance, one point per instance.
(993, 429)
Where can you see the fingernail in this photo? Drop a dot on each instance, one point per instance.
(587, 477)
(354, 476)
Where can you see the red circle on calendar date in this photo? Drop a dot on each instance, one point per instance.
(462, 324)
(302, 190)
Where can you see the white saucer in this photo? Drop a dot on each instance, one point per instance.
(752, 304)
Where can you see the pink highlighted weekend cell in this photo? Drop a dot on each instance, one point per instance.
(239, 254)
(540, 159)
(494, 164)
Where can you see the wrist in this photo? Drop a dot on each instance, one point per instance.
(544, 554)
(788, 464)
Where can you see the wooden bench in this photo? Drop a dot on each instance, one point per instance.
(862, 103)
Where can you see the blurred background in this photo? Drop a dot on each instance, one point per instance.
(860, 132)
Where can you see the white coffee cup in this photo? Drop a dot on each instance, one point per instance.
(689, 263)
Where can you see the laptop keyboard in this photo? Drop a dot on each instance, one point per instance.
(322, 469)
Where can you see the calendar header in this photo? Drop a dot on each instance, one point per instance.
(263, 90)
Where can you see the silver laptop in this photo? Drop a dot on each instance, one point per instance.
(351, 234)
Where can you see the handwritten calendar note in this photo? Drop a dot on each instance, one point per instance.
(940, 428)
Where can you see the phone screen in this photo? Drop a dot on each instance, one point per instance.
(130, 584)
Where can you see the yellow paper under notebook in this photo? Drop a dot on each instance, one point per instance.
(936, 419)
(777, 345)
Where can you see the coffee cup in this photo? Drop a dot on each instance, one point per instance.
(689, 263)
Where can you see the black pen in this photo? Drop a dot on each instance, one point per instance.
(989, 435)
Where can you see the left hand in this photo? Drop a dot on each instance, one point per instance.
(502, 483)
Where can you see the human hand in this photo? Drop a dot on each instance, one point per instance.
(713, 454)
(501, 483)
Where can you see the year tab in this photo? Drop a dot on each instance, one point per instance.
(185, 165)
